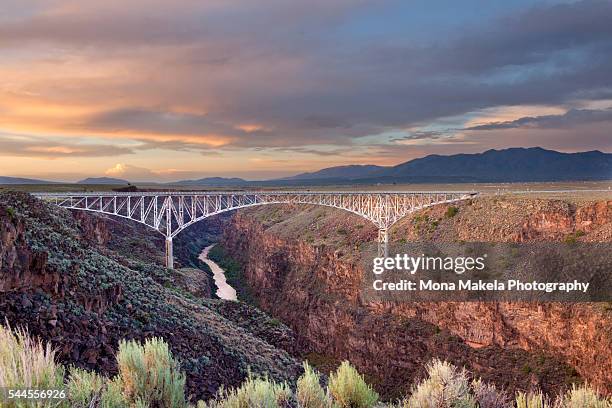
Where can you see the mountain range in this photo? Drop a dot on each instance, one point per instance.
(507, 165)
(20, 180)
(213, 181)
(103, 180)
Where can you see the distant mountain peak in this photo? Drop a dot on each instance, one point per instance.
(351, 171)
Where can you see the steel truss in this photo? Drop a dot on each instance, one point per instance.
(171, 212)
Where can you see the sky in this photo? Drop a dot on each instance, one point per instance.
(163, 90)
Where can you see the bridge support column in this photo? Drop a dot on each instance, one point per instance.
(383, 238)
(169, 253)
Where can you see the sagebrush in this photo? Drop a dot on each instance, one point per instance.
(149, 377)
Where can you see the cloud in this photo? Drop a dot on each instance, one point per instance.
(30, 146)
(129, 172)
(571, 118)
(427, 134)
(220, 77)
(176, 125)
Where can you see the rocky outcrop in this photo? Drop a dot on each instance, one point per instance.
(556, 219)
(315, 289)
(579, 333)
(94, 228)
(22, 268)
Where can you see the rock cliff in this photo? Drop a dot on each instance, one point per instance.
(303, 266)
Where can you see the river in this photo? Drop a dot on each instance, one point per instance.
(224, 291)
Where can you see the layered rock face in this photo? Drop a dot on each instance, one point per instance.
(315, 287)
(28, 268)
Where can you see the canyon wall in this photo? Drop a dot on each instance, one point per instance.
(303, 268)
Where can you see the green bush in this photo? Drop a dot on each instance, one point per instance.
(148, 374)
(254, 392)
(349, 389)
(27, 363)
(84, 388)
(445, 387)
(451, 212)
(309, 392)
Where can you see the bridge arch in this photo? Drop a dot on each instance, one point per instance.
(188, 224)
(170, 213)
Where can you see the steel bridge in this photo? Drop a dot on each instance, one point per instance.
(171, 212)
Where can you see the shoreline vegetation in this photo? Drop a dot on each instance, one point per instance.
(150, 376)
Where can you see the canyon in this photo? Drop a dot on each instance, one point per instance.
(83, 282)
(305, 267)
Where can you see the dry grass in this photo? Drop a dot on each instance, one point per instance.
(27, 363)
(84, 388)
(582, 397)
(446, 386)
(532, 400)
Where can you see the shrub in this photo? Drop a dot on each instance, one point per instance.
(570, 239)
(445, 386)
(349, 389)
(451, 212)
(573, 237)
(531, 400)
(148, 374)
(254, 392)
(309, 392)
(275, 322)
(10, 211)
(26, 363)
(488, 396)
(84, 387)
(112, 395)
(582, 397)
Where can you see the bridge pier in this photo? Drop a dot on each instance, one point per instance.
(169, 253)
(383, 243)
